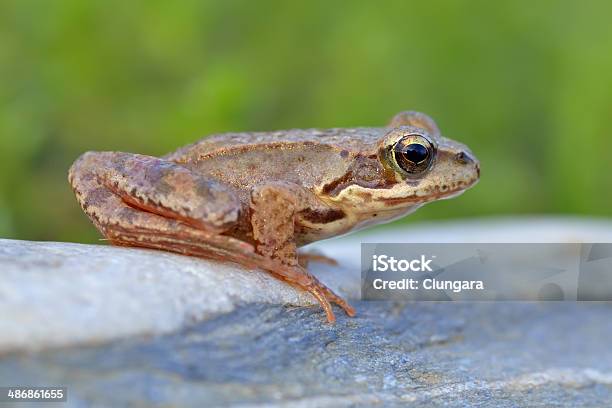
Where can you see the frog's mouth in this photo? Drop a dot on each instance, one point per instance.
(368, 201)
(437, 192)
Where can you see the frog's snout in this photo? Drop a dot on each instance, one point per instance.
(464, 157)
(467, 158)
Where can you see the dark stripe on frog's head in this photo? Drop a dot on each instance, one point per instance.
(365, 171)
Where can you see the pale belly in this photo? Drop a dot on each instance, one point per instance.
(307, 232)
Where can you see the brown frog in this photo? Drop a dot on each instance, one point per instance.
(254, 198)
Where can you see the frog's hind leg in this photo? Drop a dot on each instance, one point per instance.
(102, 187)
(161, 187)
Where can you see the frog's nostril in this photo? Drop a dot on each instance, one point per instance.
(464, 158)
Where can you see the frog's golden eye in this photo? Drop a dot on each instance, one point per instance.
(413, 153)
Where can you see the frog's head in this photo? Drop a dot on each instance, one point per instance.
(424, 166)
(405, 168)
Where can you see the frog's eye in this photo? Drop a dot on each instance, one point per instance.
(413, 153)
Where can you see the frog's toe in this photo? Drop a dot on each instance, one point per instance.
(348, 309)
(306, 257)
(324, 302)
(332, 297)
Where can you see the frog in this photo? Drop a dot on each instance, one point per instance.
(256, 198)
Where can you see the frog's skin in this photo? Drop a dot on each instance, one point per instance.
(254, 198)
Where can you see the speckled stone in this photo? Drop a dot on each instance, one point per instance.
(56, 294)
(416, 354)
(124, 327)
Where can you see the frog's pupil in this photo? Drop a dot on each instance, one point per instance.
(416, 153)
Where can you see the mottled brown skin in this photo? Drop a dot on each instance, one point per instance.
(254, 198)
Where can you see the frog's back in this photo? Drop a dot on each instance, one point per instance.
(349, 139)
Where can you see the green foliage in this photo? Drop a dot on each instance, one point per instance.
(526, 84)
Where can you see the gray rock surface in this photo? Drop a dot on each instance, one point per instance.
(56, 294)
(146, 328)
(416, 354)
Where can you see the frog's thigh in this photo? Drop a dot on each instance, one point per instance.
(416, 119)
(162, 187)
(123, 224)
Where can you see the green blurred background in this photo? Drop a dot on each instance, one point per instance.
(526, 84)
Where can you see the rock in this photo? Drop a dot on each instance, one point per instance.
(56, 294)
(189, 332)
(417, 354)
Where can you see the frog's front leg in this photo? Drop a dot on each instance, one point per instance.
(274, 208)
(306, 257)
